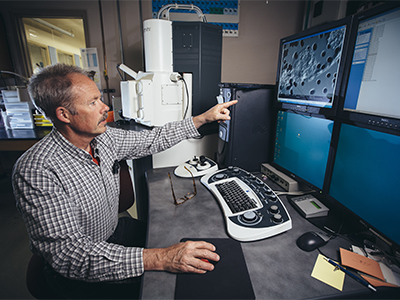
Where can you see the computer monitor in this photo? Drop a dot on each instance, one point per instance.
(302, 145)
(370, 88)
(365, 178)
(310, 68)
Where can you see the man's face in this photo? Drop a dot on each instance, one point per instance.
(91, 112)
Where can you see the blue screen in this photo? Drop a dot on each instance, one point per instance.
(366, 175)
(302, 146)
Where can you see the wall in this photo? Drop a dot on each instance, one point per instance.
(322, 11)
(250, 58)
(253, 56)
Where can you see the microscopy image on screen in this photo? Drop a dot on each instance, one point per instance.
(309, 68)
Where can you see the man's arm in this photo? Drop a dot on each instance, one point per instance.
(219, 112)
(188, 257)
(148, 142)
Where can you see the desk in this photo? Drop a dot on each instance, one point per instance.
(278, 268)
(21, 139)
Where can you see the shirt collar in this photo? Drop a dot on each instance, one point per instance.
(70, 148)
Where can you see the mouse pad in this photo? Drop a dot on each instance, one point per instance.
(229, 279)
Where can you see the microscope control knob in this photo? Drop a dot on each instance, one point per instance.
(277, 218)
(202, 159)
(272, 198)
(274, 209)
(249, 216)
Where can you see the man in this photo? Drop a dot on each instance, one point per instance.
(67, 189)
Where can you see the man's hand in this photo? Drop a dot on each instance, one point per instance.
(187, 257)
(219, 112)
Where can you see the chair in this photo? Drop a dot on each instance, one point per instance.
(35, 279)
(126, 195)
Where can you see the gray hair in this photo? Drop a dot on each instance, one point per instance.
(52, 87)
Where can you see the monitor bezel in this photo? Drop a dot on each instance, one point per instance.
(387, 123)
(314, 109)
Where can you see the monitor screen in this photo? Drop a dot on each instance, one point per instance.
(302, 145)
(365, 177)
(309, 67)
(373, 80)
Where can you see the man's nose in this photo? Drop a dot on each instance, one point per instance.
(105, 107)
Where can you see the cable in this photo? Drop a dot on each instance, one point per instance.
(2, 79)
(120, 39)
(187, 97)
(187, 105)
(104, 53)
(119, 73)
(16, 75)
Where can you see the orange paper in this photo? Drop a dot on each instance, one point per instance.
(376, 282)
(361, 263)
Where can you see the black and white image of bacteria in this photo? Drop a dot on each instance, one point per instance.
(309, 67)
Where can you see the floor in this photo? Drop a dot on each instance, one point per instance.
(14, 246)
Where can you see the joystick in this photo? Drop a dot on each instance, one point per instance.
(198, 165)
(194, 161)
(204, 164)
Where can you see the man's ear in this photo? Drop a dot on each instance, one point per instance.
(63, 114)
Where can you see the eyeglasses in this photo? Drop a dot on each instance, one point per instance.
(188, 196)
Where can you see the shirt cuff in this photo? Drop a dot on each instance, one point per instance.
(193, 132)
(135, 266)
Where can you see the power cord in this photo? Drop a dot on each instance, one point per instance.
(187, 97)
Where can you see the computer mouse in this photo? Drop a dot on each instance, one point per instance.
(312, 240)
(210, 261)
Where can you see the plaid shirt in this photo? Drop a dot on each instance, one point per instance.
(70, 204)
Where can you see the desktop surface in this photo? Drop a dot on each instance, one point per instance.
(21, 139)
(278, 269)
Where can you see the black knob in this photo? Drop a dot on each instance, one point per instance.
(268, 191)
(277, 218)
(274, 209)
(194, 161)
(273, 198)
(260, 182)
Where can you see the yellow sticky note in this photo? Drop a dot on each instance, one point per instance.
(327, 273)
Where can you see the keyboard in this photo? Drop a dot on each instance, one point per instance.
(251, 209)
(235, 196)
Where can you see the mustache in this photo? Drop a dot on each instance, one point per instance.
(105, 116)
